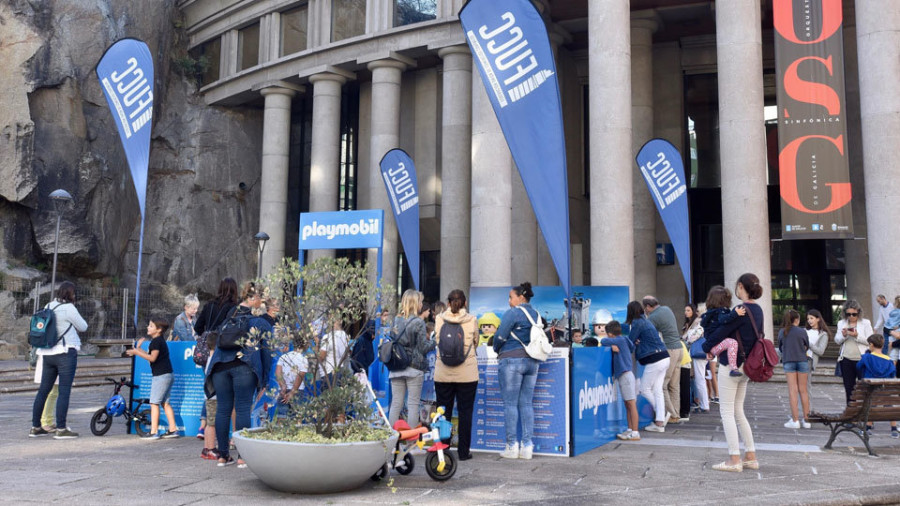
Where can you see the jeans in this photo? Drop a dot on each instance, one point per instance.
(61, 365)
(464, 395)
(652, 387)
(399, 389)
(517, 379)
(49, 414)
(234, 390)
(672, 384)
(886, 347)
(700, 382)
(732, 391)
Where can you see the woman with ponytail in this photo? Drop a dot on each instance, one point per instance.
(518, 371)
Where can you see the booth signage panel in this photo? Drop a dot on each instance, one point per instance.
(341, 229)
(187, 397)
(598, 411)
(551, 424)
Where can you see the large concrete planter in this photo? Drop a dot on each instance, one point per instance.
(312, 468)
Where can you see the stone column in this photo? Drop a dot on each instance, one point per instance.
(856, 251)
(228, 55)
(491, 194)
(456, 168)
(449, 8)
(325, 154)
(611, 163)
(742, 143)
(269, 37)
(274, 175)
(523, 233)
(878, 37)
(384, 136)
(643, 24)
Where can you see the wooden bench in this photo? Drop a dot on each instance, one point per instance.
(873, 400)
(104, 345)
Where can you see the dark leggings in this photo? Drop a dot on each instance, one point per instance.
(849, 375)
(464, 396)
(234, 390)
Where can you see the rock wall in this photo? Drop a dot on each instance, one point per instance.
(56, 131)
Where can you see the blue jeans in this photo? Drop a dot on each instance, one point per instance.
(61, 365)
(886, 348)
(234, 390)
(517, 379)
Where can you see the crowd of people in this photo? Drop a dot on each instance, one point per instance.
(686, 367)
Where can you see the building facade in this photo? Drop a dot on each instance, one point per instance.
(342, 82)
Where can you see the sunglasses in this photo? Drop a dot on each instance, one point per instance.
(852, 314)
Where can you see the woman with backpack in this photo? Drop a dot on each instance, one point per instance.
(211, 316)
(238, 369)
(650, 352)
(408, 331)
(733, 389)
(456, 368)
(59, 362)
(518, 371)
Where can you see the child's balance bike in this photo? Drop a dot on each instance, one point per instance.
(439, 464)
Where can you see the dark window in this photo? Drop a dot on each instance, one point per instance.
(407, 12)
(293, 30)
(248, 44)
(349, 141)
(207, 57)
(348, 19)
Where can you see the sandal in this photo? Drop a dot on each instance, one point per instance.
(241, 464)
(728, 468)
(751, 464)
(226, 461)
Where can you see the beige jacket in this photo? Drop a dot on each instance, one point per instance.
(467, 372)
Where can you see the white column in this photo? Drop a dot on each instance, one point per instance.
(643, 25)
(269, 37)
(456, 168)
(878, 37)
(325, 152)
(491, 194)
(274, 177)
(742, 143)
(524, 233)
(611, 163)
(385, 135)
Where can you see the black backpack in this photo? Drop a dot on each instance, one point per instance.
(393, 353)
(234, 331)
(452, 344)
(201, 347)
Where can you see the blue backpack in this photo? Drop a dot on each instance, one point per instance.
(42, 331)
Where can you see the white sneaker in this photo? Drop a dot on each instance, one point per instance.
(525, 452)
(805, 424)
(511, 451)
(655, 428)
(791, 424)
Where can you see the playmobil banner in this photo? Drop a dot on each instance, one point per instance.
(660, 164)
(399, 174)
(812, 133)
(126, 76)
(511, 49)
(341, 229)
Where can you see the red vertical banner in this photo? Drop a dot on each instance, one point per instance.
(814, 172)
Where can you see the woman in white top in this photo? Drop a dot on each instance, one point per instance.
(852, 332)
(59, 362)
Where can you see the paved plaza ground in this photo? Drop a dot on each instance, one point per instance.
(669, 468)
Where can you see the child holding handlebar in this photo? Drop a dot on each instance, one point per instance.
(161, 367)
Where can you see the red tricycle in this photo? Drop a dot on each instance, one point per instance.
(439, 464)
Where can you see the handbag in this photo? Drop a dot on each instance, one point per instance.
(697, 349)
(759, 364)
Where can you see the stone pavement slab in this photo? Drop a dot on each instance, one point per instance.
(669, 468)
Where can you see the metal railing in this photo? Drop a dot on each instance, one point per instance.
(108, 311)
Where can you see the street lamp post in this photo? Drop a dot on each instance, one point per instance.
(261, 239)
(58, 196)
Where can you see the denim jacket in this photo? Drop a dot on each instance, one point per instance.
(645, 338)
(258, 358)
(514, 321)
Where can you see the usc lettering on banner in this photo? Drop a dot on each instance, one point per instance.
(814, 171)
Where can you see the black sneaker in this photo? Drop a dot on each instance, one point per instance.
(65, 434)
(38, 432)
(171, 434)
(225, 461)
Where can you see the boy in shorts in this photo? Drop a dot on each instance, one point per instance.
(623, 348)
(161, 367)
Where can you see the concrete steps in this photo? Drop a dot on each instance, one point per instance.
(16, 376)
